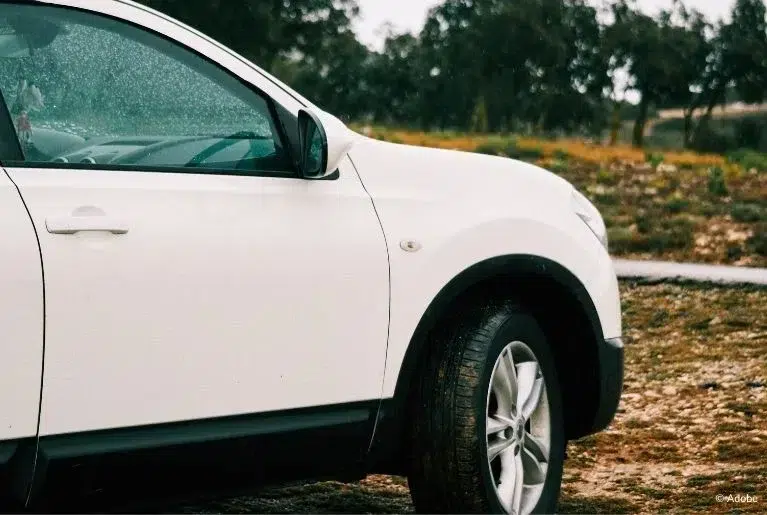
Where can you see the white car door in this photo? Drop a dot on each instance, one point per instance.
(189, 273)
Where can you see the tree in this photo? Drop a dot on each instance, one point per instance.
(264, 30)
(738, 60)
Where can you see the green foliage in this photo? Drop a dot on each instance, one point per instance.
(716, 183)
(659, 235)
(677, 205)
(654, 158)
(525, 154)
(758, 242)
(748, 213)
(558, 166)
(561, 154)
(496, 146)
(466, 70)
(607, 177)
(748, 159)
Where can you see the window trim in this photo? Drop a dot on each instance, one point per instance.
(150, 169)
(275, 121)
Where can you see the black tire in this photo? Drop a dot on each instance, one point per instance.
(449, 470)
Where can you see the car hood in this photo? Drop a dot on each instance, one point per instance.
(403, 171)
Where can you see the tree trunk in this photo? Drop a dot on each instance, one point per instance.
(716, 96)
(687, 129)
(641, 121)
(615, 123)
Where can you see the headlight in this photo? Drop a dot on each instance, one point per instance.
(587, 212)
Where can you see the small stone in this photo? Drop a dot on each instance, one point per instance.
(669, 390)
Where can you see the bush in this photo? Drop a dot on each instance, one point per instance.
(607, 177)
(561, 155)
(716, 182)
(668, 234)
(677, 205)
(748, 159)
(654, 159)
(748, 132)
(758, 242)
(525, 154)
(497, 147)
(713, 142)
(748, 213)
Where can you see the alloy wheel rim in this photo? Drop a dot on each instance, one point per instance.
(518, 429)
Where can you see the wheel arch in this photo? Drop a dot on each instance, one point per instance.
(556, 298)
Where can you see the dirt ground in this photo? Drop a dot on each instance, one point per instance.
(692, 423)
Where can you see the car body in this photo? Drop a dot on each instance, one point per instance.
(241, 308)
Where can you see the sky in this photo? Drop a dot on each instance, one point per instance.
(410, 15)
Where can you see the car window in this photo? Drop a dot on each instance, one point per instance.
(90, 90)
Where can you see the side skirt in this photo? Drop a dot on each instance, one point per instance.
(213, 457)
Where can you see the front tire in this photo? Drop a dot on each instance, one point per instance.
(488, 432)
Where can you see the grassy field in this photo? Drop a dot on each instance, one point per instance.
(692, 423)
(657, 205)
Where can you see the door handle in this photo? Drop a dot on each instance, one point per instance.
(93, 223)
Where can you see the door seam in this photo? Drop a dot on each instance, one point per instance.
(42, 365)
(388, 322)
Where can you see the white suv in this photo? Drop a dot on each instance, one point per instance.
(209, 283)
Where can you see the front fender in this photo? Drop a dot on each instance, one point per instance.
(418, 277)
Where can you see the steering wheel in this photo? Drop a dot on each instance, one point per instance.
(224, 143)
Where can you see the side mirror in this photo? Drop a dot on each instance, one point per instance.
(313, 146)
(324, 142)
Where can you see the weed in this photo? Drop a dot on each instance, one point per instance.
(748, 213)
(677, 205)
(716, 182)
(654, 159)
(758, 241)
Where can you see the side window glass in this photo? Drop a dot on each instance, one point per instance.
(88, 90)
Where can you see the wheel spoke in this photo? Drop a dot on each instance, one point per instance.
(505, 381)
(497, 447)
(533, 470)
(538, 448)
(530, 388)
(511, 486)
(534, 399)
(519, 484)
(496, 424)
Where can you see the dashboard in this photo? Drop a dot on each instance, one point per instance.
(242, 151)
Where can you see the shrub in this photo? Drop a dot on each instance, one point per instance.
(758, 242)
(558, 166)
(561, 154)
(607, 177)
(716, 182)
(497, 146)
(713, 142)
(677, 205)
(644, 223)
(526, 153)
(654, 159)
(748, 213)
(748, 159)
